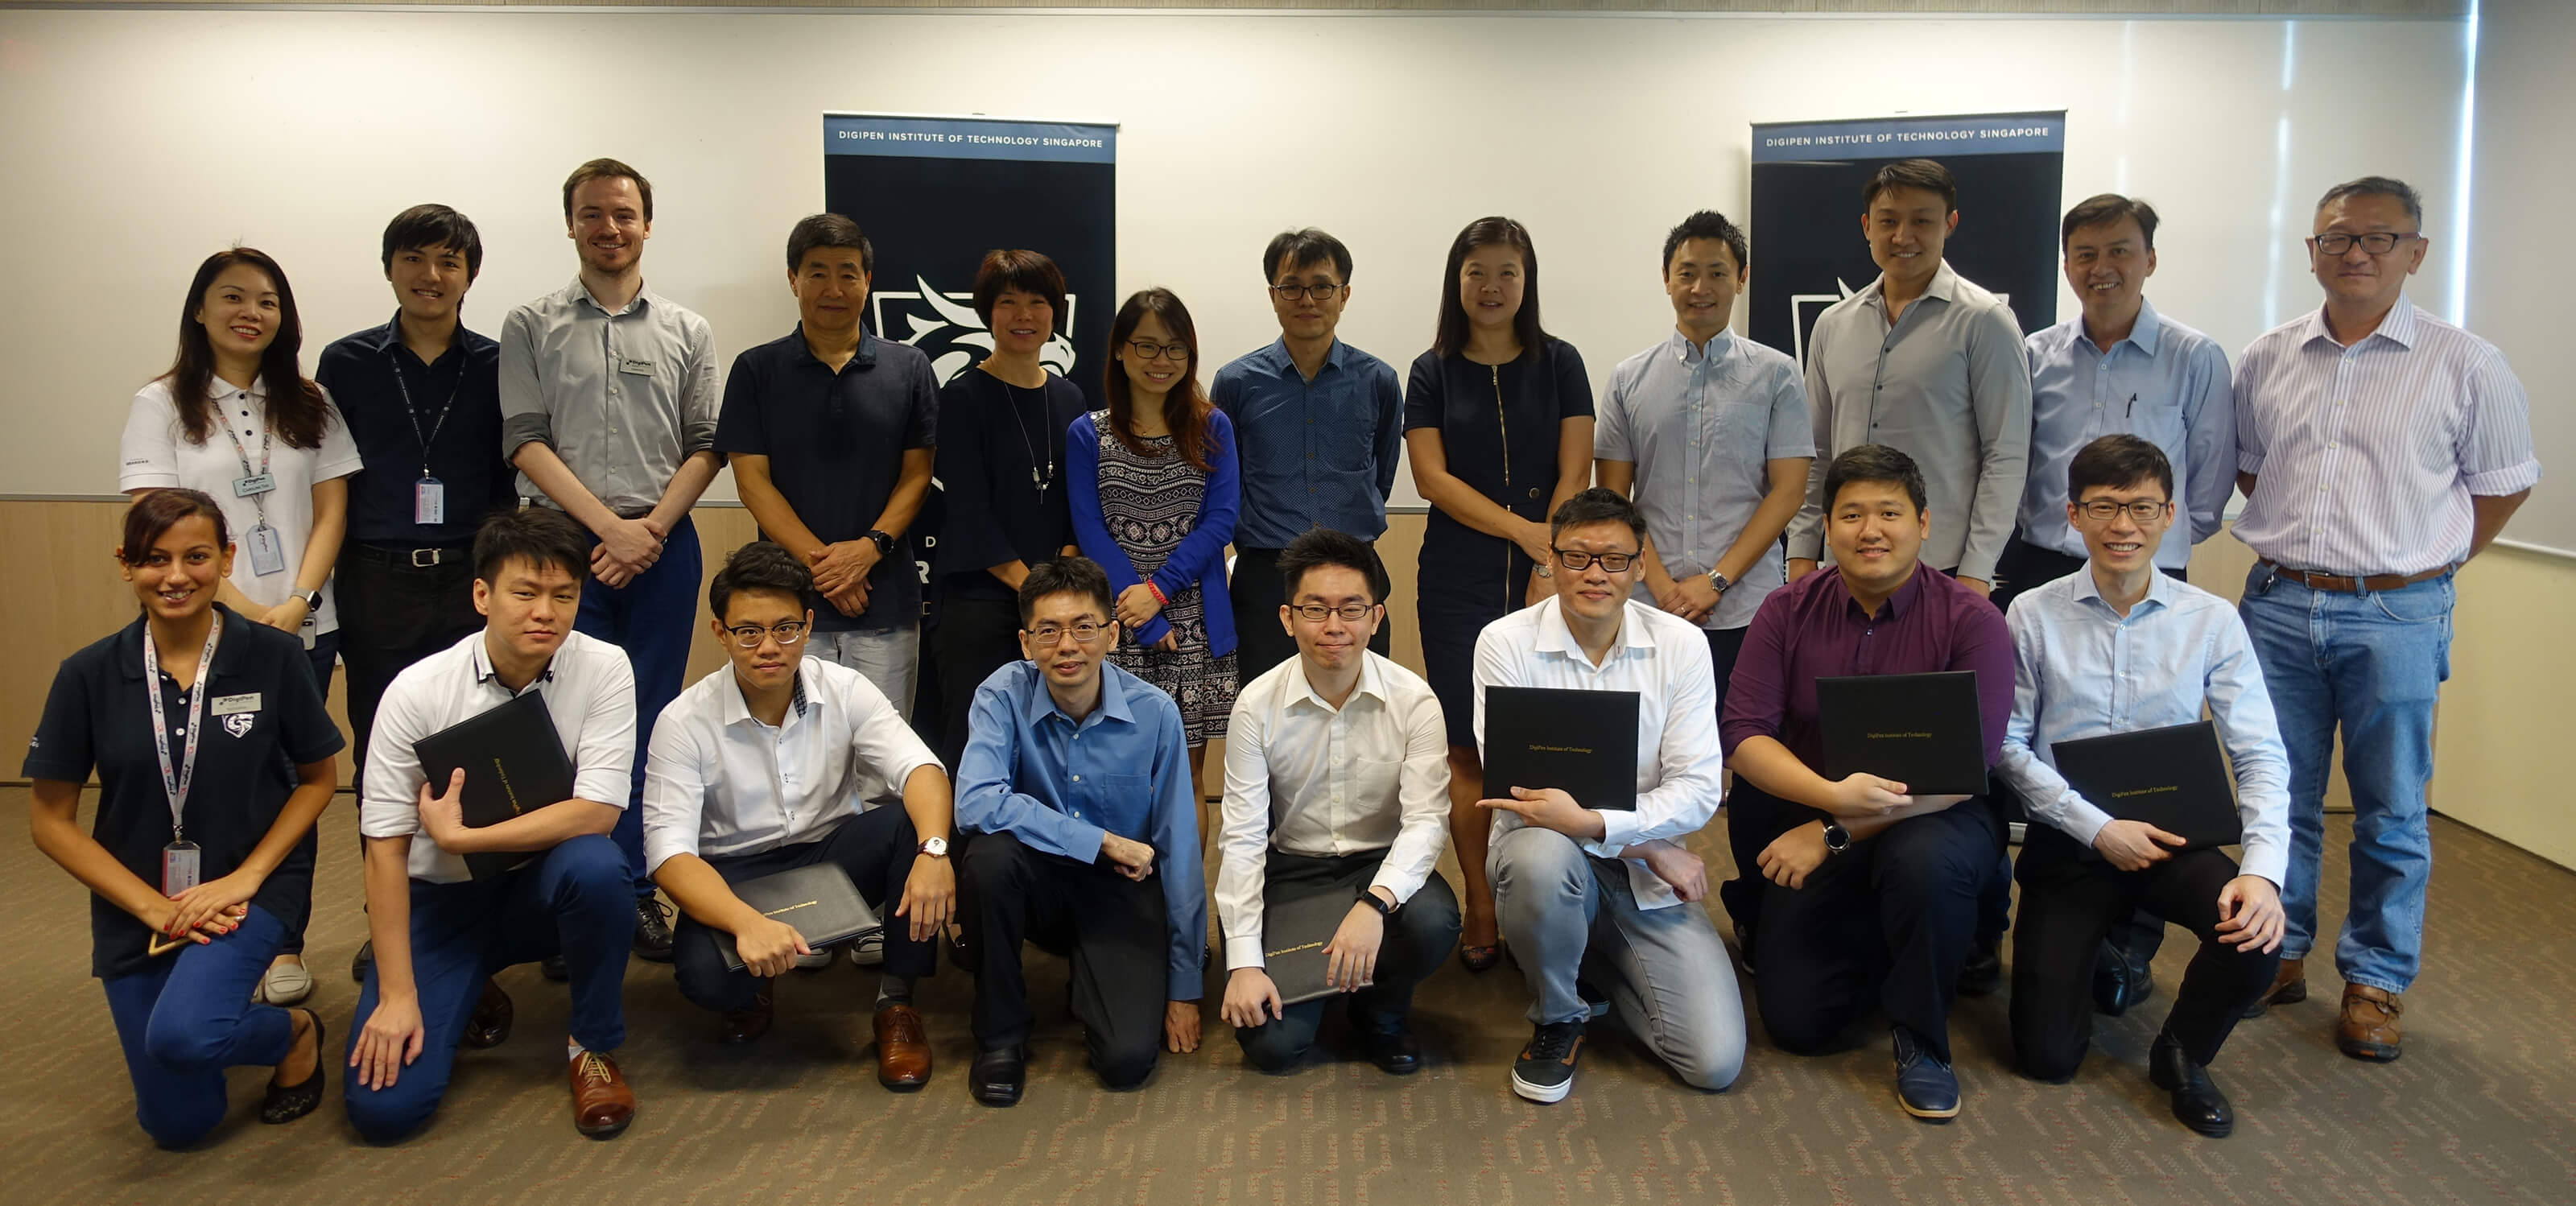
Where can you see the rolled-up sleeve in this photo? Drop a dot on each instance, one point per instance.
(524, 417)
(700, 399)
(603, 768)
(2495, 449)
(676, 777)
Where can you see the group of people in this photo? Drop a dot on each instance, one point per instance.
(462, 521)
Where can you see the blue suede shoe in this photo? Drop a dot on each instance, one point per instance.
(1925, 1086)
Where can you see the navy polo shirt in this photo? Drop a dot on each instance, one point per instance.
(272, 722)
(464, 451)
(835, 442)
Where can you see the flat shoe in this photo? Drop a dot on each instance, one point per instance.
(285, 984)
(286, 1103)
(1480, 958)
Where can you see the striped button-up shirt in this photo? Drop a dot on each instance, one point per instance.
(2365, 456)
(623, 398)
(2165, 384)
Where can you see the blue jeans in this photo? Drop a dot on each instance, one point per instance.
(573, 901)
(652, 618)
(189, 1017)
(2372, 663)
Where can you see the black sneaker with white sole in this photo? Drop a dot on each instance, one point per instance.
(1545, 1070)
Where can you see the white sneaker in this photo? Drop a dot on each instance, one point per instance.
(868, 949)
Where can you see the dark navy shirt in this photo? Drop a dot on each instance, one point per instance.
(464, 454)
(263, 718)
(1316, 454)
(835, 442)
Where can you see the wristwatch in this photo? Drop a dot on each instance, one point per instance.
(1837, 839)
(312, 599)
(884, 543)
(935, 847)
(1720, 581)
(1377, 902)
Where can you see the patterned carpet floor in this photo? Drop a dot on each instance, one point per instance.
(2478, 1110)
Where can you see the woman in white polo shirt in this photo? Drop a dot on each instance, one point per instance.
(236, 418)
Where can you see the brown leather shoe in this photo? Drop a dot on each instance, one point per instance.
(2289, 987)
(490, 1025)
(2369, 1028)
(903, 1049)
(602, 1104)
(744, 1025)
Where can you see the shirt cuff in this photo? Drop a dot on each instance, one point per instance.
(1399, 884)
(2081, 820)
(1618, 828)
(2510, 480)
(1243, 950)
(1186, 985)
(2249, 462)
(2267, 859)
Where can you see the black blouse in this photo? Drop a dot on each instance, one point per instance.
(263, 718)
(1499, 427)
(1001, 478)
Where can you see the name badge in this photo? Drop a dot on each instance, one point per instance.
(638, 368)
(257, 483)
(267, 552)
(226, 705)
(429, 501)
(182, 867)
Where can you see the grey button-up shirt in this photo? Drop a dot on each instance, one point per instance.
(1702, 424)
(623, 398)
(1947, 384)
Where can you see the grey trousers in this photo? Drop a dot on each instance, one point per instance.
(1566, 913)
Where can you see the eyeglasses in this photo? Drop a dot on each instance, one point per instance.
(1577, 559)
(1083, 633)
(1289, 293)
(1146, 349)
(1315, 613)
(2103, 510)
(2378, 242)
(748, 636)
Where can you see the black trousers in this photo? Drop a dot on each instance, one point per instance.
(394, 613)
(2069, 901)
(1258, 594)
(875, 847)
(1115, 931)
(1886, 924)
(1418, 938)
(1754, 818)
(974, 638)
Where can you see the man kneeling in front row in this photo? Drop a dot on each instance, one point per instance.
(759, 768)
(2114, 648)
(1336, 784)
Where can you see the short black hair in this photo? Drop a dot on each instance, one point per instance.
(1926, 174)
(1063, 576)
(430, 228)
(2103, 209)
(1709, 224)
(829, 230)
(2116, 461)
(1875, 463)
(540, 536)
(1013, 270)
(1597, 504)
(608, 169)
(762, 566)
(1317, 548)
(2379, 186)
(1294, 249)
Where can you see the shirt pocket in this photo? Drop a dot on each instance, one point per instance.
(1102, 799)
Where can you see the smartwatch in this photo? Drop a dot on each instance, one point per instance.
(884, 543)
(1720, 581)
(312, 599)
(1377, 902)
(1837, 838)
(935, 847)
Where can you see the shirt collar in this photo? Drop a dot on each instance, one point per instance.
(388, 338)
(735, 709)
(1718, 347)
(484, 673)
(2397, 327)
(1945, 285)
(1040, 702)
(229, 652)
(1372, 682)
(1900, 603)
(866, 356)
(579, 294)
(2146, 332)
(2159, 589)
(1281, 361)
(1555, 637)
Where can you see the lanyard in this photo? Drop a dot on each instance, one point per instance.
(175, 783)
(267, 441)
(414, 415)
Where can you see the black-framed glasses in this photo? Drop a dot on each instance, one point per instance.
(2377, 242)
(2103, 510)
(1084, 633)
(748, 636)
(1577, 559)
(1316, 613)
(1289, 293)
(1147, 349)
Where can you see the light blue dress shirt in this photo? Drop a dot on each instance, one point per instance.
(2081, 670)
(1029, 769)
(2166, 384)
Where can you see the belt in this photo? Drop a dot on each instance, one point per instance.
(2354, 585)
(416, 558)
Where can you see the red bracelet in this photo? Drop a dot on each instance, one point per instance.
(1159, 599)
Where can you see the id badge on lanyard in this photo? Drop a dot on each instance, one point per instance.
(267, 549)
(182, 862)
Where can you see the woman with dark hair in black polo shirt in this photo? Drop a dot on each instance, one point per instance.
(1498, 427)
(214, 758)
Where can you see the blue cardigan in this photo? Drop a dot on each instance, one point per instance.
(1200, 560)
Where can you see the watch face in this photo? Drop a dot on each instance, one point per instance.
(935, 847)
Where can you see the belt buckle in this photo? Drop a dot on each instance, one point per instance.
(435, 556)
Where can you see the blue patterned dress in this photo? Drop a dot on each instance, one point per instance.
(1150, 504)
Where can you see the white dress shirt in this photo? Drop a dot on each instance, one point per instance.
(590, 694)
(720, 782)
(1664, 659)
(1310, 778)
(2365, 456)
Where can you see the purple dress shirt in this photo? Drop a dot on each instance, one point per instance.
(1812, 629)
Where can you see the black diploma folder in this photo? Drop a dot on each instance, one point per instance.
(818, 899)
(1921, 730)
(1294, 933)
(1581, 742)
(514, 763)
(2172, 778)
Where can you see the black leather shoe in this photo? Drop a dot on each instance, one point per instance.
(490, 1025)
(2196, 1101)
(1393, 1050)
(1982, 974)
(998, 1075)
(555, 969)
(652, 929)
(358, 965)
(2120, 981)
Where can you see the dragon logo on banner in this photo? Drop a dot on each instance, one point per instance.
(944, 325)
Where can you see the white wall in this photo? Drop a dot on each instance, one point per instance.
(2523, 179)
(136, 142)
